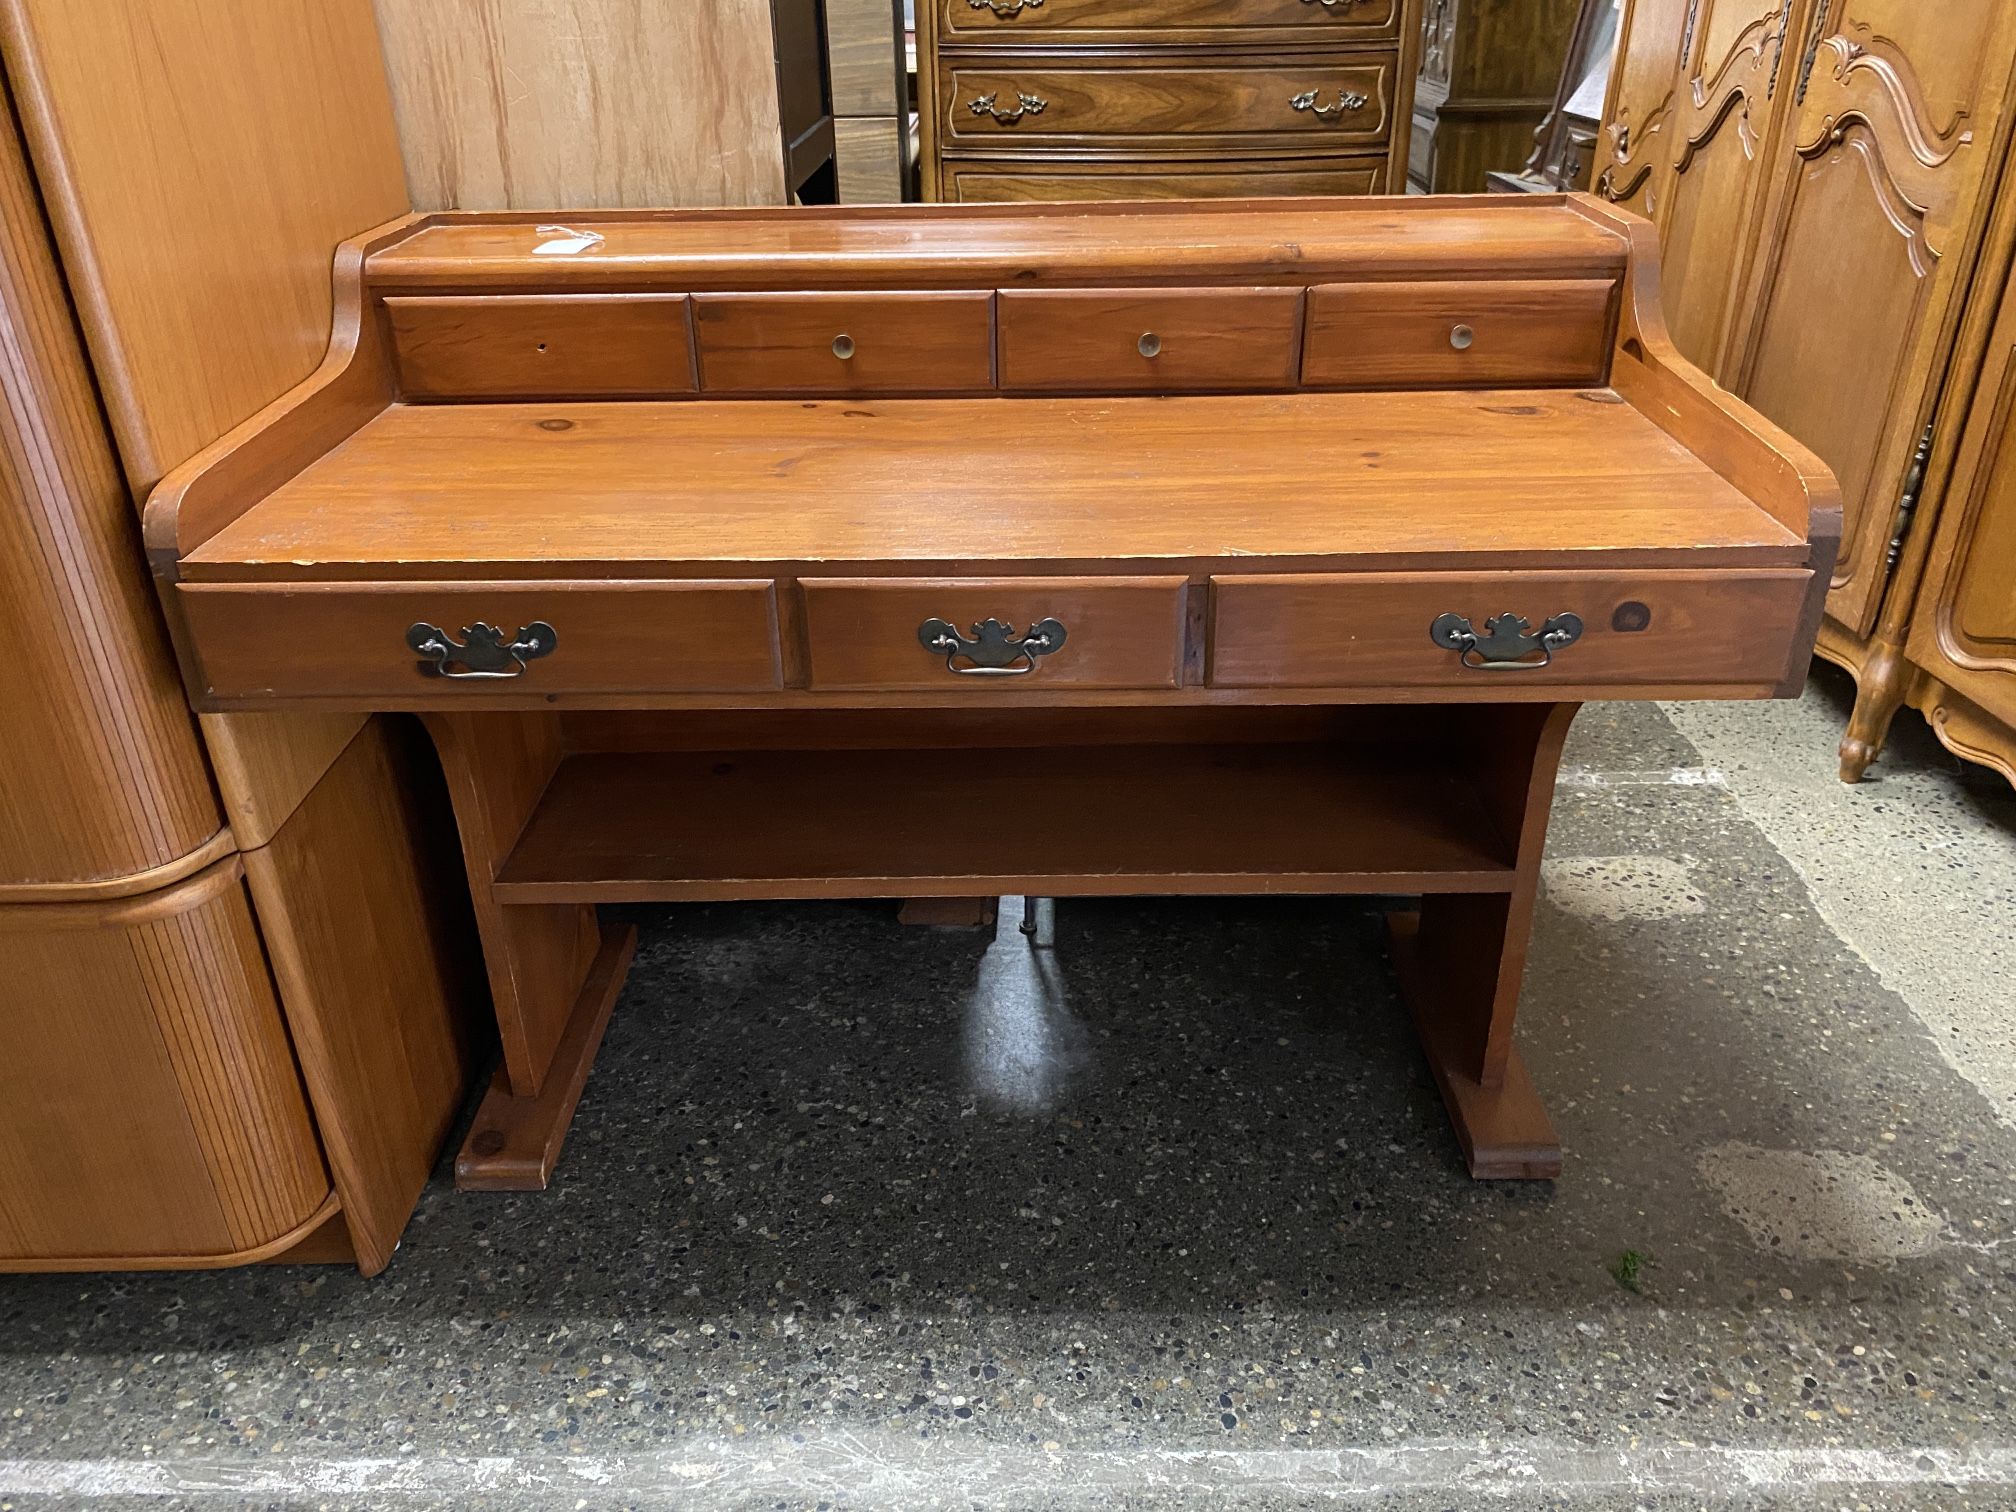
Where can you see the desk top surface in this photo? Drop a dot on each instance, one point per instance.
(1521, 478)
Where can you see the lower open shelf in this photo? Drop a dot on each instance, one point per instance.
(1290, 817)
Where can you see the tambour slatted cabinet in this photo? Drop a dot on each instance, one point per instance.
(1227, 547)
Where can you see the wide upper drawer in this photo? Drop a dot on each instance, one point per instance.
(968, 634)
(846, 343)
(1342, 99)
(432, 643)
(1459, 333)
(1290, 22)
(1147, 340)
(1624, 629)
(1043, 177)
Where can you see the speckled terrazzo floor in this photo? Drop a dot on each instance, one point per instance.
(1168, 1215)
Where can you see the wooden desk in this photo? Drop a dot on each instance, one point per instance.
(948, 551)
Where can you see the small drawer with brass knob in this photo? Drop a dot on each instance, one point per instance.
(1092, 341)
(1459, 333)
(843, 342)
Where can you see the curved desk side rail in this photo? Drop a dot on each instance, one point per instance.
(1785, 477)
(354, 382)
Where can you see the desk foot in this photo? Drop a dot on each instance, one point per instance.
(515, 1141)
(1504, 1131)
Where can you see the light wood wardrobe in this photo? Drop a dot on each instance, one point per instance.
(236, 972)
(1830, 180)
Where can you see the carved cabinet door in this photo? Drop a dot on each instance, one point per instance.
(1633, 166)
(1715, 133)
(1867, 250)
(1963, 630)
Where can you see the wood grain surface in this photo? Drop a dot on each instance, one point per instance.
(104, 777)
(1545, 475)
(149, 1104)
(573, 103)
(1405, 334)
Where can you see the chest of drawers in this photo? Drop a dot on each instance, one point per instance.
(1134, 99)
(944, 551)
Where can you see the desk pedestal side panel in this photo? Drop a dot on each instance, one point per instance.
(150, 1113)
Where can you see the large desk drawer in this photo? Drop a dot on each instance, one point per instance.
(1725, 628)
(265, 641)
(1341, 100)
(869, 633)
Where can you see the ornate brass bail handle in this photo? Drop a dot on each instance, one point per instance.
(1328, 5)
(1508, 643)
(993, 649)
(1348, 100)
(1026, 105)
(482, 653)
(1008, 10)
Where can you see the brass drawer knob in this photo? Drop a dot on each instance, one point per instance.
(1150, 345)
(993, 649)
(1348, 100)
(843, 347)
(482, 653)
(1508, 643)
(1462, 338)
(1025, 105)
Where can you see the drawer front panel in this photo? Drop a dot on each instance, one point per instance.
(845, 343)
(1372, 629)
(1345, 100)
(356, 640)
(1289, 22)
(994, 181)
(863, 633)
(531, 346)
(1458, 334)
(1142, 341)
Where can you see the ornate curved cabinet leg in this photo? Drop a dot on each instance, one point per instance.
(150, 1113)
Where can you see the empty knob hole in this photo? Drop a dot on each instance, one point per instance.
(1150, 344)
(843, 347)
(1462, 337)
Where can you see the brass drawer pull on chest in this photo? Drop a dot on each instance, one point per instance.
(483, 651)
(1348, 100)
(843, 347)
(993, 649)
(1026, 105)
(1328, 5)
(1008, 10)
(1508, 643)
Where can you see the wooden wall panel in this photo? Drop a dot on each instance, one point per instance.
(153, 1105)
(103, 778)
(585, 103)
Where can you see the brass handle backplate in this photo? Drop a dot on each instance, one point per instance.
(1508, 643)
(993, 649)
(1348, 100)
(1026, 105)
(482, 653)
(1008, 10)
